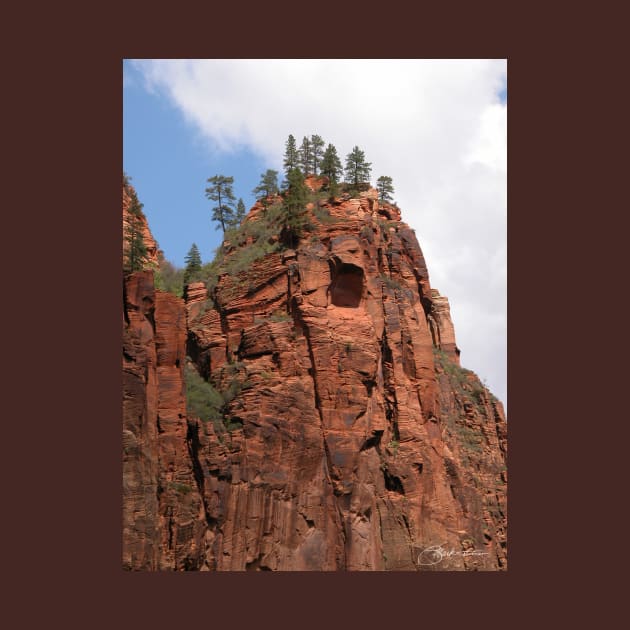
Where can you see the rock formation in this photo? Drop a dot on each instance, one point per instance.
(441, 326)
(149, 241)
(162, 511)
(349, 437)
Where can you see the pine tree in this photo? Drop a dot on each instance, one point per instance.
(305, 154)
(136, 256)
(385, 188)
(193, 264)
(291, 156)
(268, 185)
(357, 169)
(240, 212)
(221, 192)
(136, 251)
(331, 164)
(294, 202)
(317, 149)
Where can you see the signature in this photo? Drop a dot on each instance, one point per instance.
(436, 553)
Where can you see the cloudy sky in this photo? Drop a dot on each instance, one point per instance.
(437, 127)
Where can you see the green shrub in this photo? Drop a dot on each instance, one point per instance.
(210, 273)
(468, 438)
(210, 403)
(203, 401)
(249, 242)
(243, 258)
(477, 393)
(169, 278)
(460, 375)
(323, 216)
(354, 189)
(182, 488)
(233, 425)
(279, 226)
(280, 316)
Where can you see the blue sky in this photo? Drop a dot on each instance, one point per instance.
(437, 127)
(169, 165)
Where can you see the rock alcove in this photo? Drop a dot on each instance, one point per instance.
(346, 289)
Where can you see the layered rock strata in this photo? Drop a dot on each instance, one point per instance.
(351, 438)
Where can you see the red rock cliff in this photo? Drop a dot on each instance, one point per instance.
(163, 522)
(163, 519)
(149, 241)
(351, 438)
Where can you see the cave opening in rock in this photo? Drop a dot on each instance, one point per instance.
(346, 289)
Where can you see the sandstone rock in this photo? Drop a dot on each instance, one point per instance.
(315, 183)
(351, 437)
(149, 241)
(140, 466)
(182, 524)
(163, 517)
(441, 325)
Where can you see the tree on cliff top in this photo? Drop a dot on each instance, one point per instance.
(305, 154)
(193, 264)
(317, 149)
(290, 155)
(136, 250)
(331, 164)
(136, 254)
(221, 192)
(240, 212)
(294, 201)
(268, 185)
(385, 188)
(357, 169)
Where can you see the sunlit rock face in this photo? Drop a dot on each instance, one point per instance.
(351, 439)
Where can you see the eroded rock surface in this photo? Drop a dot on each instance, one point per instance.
(351, 439)
(163, 516)
(149, 242)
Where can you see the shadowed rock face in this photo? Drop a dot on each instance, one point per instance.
(347, 286)
(355, 440)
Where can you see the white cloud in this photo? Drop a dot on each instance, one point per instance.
(436, 126)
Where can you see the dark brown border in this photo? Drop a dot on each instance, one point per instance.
(67, 448)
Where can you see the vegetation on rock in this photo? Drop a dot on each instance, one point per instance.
(331, 165)
(357, 169)
(291, 156)
(136, 250)
(385, 188)
(220, 190)
(211, 402)
(268, 185)
(168, 277)
(193, 264)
